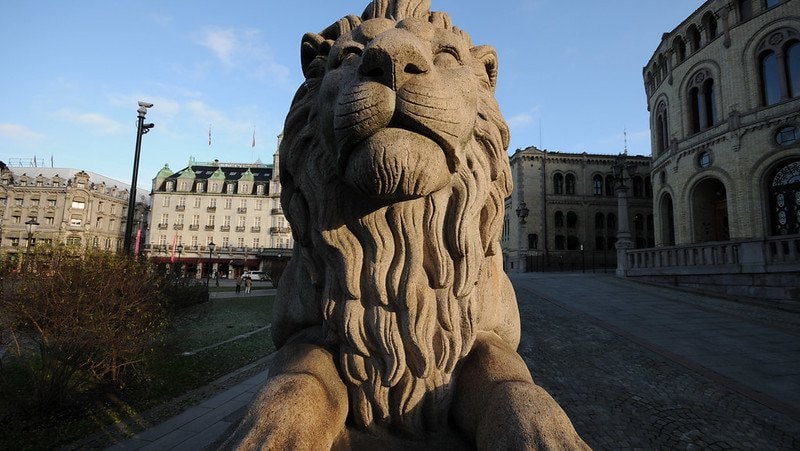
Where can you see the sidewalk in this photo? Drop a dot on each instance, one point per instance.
(634, 366)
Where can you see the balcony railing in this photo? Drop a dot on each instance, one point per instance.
(209, 228)
(211, 209)
(274, 230)
(255, 229)
(240, 228)
(177, 226)
(180, 207)
(241, 210)
(194, 227)
(277, 211)
(163, 226)
(225, 228)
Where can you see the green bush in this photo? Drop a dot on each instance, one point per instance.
(79, 318)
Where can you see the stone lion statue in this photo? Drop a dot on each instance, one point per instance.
(396, 325)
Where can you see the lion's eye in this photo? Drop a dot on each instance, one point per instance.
(348, 53)
(447, 58)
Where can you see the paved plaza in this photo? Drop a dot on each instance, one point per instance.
(634, 366)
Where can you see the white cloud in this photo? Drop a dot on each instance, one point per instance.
(18, 132)
(96, 122)
(244, 48)
(525, 118)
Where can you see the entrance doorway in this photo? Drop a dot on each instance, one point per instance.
(710, 211)
(784, 197)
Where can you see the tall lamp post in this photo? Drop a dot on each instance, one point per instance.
(624, 169)
(522, 213)
(180, 251)
(141, 129)
(211, 247)
(31, 225)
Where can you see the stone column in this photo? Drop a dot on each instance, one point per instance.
(624, 241)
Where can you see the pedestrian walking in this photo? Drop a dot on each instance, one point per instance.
(238, 283)
(248, 283)
(216, 278)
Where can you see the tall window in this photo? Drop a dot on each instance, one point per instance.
(710, 25)
(662, 132)
(597, 185)
(609, 185)
(745, 10)
(779, 66)
(784, 193)
(558, 184)
(599, 221)
(693, 36)
(572, 220)
(569, 181)
(559, 219)
(702, 107)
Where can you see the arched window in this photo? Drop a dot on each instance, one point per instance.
(570, 183)
(533, 241)
(694, 37)
(560, 242)
(638, 187)
(558, 184)
(609, 185)
(638, 222)
(648, 187)
(770, 78)
(559, 219)
(771, 3)
(662, 131)
(784, 196)
(679, 47)
(745, 8)
(779, 66)
(702, 101)
(572, 220)
(599, 243)
(599, 221)
(710, 24)
(611, 220)
(597, 185)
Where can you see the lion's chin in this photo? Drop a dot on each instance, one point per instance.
(398, 164)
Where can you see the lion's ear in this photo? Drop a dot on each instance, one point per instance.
(488, 57)
(309, 51)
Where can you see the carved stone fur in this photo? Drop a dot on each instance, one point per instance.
(394, 310)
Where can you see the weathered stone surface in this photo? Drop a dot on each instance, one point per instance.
(396, 325)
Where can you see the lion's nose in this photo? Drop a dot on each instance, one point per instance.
(392, 58)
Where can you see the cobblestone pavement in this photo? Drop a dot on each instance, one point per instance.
(642, 367)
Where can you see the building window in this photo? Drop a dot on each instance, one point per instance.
(787, 136)
(784, 193)
(572, 220)
(195, 220)
(559, 219)
(196, 202)
(662, 131)
(199, 187)
(745, 10)
(260, 189)
(710, 25)
(599, 221)
(179, 220)
(702, 99)
(75, 222)
(570, 183)
(225, 242)
(194, 241)
(165, 201)
(638, 187)
(211, 220)
(772, 3)
(560, 241)
(609, 185)
(78, 204)
(255, 242)
(228, 203)
(693, 36)
(558, 184)
(226, 221)
(533, 241)
(212, 203)
(597, 185)
(704, 160)
(240, 242)
(611, 221)
(779, 66)
(259, 204)
(182, 201)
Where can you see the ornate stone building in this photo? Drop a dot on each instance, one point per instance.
(723, 91)
(572, 219)
(72, 207)
(234, 205)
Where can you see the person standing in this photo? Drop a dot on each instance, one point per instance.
(238, 283)
(248, 283)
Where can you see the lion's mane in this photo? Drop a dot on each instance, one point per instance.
(401, 288)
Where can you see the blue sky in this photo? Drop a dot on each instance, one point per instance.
(74, 71)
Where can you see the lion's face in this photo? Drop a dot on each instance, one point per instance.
(398, 103)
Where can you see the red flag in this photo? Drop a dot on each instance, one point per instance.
(138, 238)
(174, 242)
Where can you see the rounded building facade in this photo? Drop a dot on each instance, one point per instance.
(723, 92)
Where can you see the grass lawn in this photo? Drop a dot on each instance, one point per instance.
(167, 374)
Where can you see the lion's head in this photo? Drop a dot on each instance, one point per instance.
(394, 171)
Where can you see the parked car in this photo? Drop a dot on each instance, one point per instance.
(255, 275)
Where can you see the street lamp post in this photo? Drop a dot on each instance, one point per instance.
(141, 129)
(211, 247)
(31, 225)
(622, 167)
(180, 251)
(522, 213)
